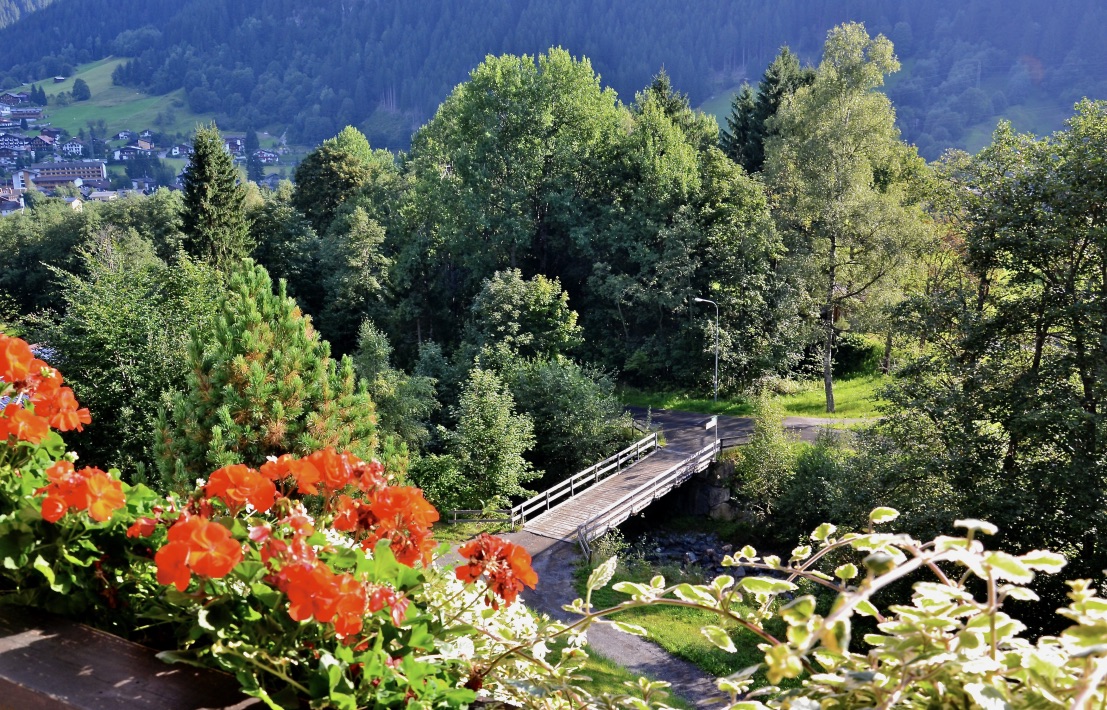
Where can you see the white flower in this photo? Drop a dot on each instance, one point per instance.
(539, 650)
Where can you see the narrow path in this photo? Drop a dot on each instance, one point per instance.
(555, 561)
(680, 426)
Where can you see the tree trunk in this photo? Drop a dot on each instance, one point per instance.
(886, 363)
(828, 323)
(828, 348)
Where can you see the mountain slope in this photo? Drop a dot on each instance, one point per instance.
(384, 65)
(12, 10)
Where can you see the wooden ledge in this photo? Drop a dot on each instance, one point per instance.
(47, 663)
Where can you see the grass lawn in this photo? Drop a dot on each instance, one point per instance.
(460, 532)
(121, 108)
(609, 677)
(678, 630)
(719, 105)
(855, 397)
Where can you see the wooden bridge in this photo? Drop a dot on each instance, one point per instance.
(602, 496)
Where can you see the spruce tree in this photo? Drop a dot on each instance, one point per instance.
(748, 125)
(214, 220)
(264, 384)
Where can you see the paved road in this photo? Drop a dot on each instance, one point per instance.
(686, 428)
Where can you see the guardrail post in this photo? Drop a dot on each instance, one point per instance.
(547, 499)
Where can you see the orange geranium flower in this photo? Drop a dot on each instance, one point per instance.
(105, 495)
(87, 489)
(506, 564)
(61, 410)
(196, 545)
(23, 424)
(172, 563)
(16, 359)
(238, 485)
(404, 517)
(213, 551)
(335, 470)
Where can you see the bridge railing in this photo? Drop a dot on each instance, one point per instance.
(638, 499)
(587, 478)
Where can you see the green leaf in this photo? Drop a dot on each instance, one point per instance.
(602, 574)
(765, 585)
(633, 589)
(695, 594)
(632, 629)
(823, 532)
(1009, 567)
(1044, 560)
(981, 526)
(883, 515)
(799, 610)
(46, 570)
(866, 608)
(720, 638)
(801, 553)
(846, 571)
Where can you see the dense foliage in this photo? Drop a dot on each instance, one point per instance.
(384, 67)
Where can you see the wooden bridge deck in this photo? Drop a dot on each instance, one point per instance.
(562, 521)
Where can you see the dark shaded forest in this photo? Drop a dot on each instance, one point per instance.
(384, 66)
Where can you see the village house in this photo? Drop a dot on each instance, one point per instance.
(131, 152)
(125, 136)
(235, 145)
(267, 157)
(55, 133)
(14, 141)
(103, 196)
(73, 147)
(8, 207)
(42, 144)
(12, 98)
(181, 151)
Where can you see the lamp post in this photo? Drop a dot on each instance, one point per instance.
(708, 300)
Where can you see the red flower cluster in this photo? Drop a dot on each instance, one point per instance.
(196, 545)
(238, 485)
(312, 588)
(28, 380)
(88, 489)
(398, 514)
(506, 564)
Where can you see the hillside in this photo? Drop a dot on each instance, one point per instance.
(13, 10)
(385, 66)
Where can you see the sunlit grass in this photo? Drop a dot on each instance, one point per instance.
(678, 630)
(609, 677)
(855, 397)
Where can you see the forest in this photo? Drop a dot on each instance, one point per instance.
(463, 313)
(383, 67)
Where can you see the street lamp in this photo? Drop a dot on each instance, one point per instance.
(708, 300)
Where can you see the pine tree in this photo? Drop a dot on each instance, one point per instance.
(255, 171)
(748, 125)
(214, 220)
(263, 385)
